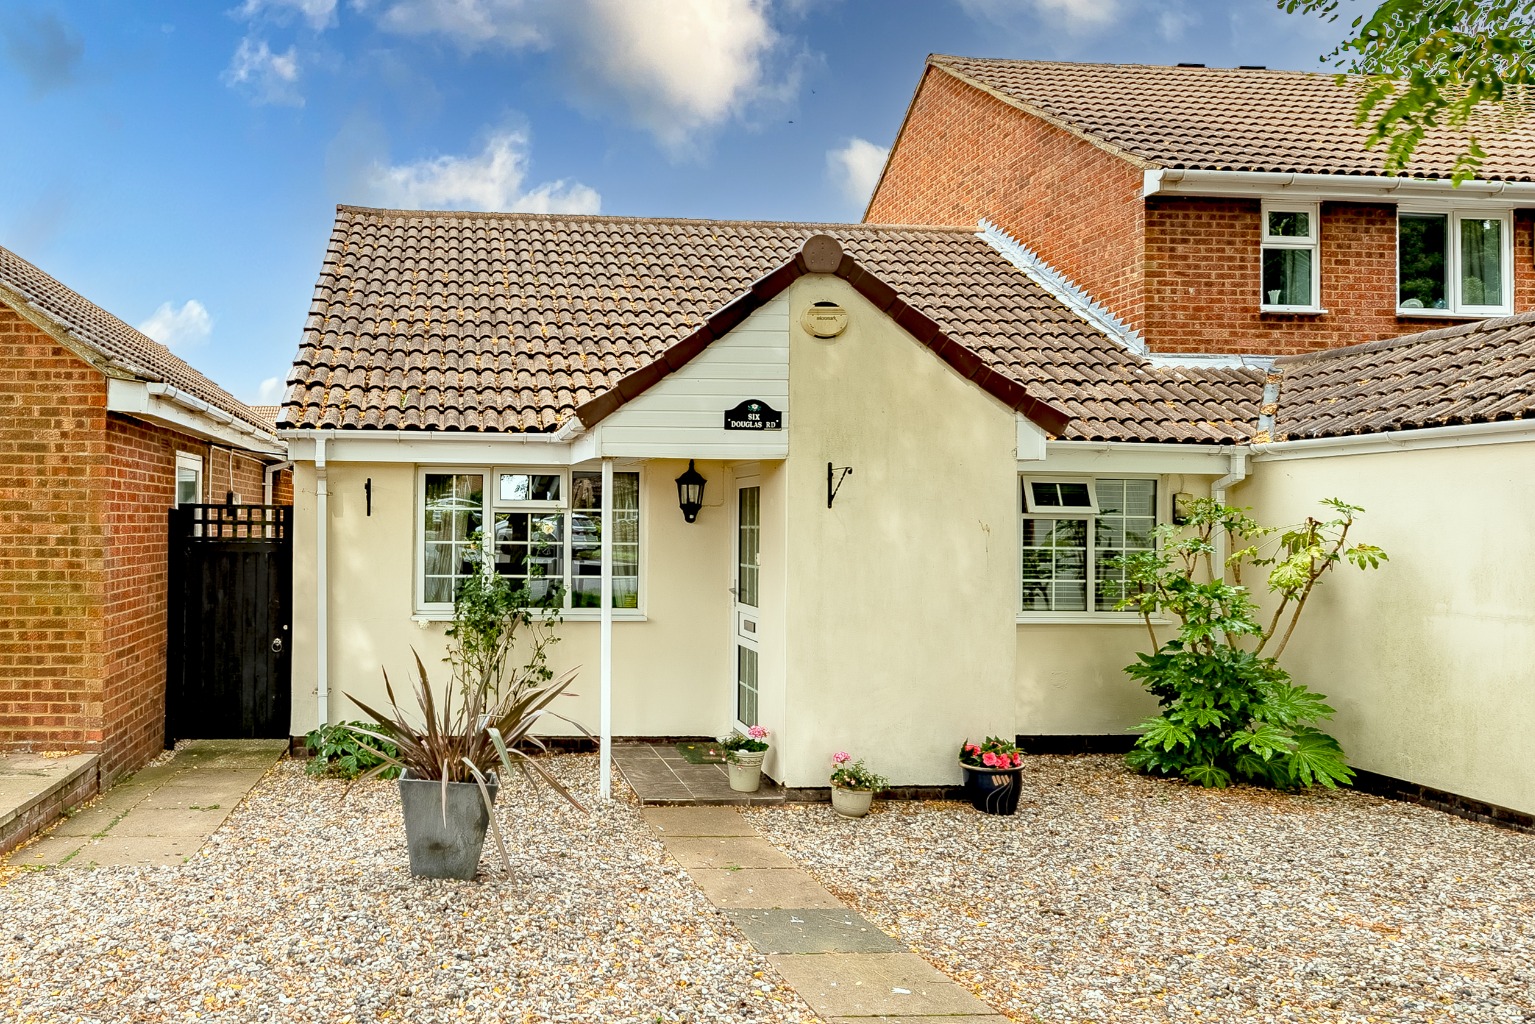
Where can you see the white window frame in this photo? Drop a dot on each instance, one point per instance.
(1066, 511)
(424, 611)
(1311, 241)
(1090, 616)
(1454, 305)
(186, 460)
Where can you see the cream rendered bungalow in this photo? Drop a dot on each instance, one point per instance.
(919, 462)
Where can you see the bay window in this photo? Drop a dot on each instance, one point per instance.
(1291, 264)
(544, 532)
(1068, 553)
(1457, 262)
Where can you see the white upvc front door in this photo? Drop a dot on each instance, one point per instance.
(746, 620)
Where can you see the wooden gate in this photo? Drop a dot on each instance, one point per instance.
(227, 657)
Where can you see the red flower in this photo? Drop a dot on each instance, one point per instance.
(990, 760)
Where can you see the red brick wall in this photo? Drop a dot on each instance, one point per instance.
(52, 549)
(1203, 276)
(963, 154)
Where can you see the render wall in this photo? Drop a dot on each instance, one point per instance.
(671, 669)
(1427, 659)
(900, 605)
(52, 544)
(1204, 275)
(964, 154)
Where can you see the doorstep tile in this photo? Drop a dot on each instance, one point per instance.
(870, 984)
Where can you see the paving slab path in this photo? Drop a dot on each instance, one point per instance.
(848, 970)
(162, 815)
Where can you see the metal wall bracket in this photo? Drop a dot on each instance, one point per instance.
(834, 477)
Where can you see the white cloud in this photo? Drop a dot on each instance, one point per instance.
(1076, 17)
(268, 77)
(321, 14)
(673, 67)
(490, 180)
(856, 168)
(179, 328)
(271, 392)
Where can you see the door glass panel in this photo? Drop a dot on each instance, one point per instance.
(748, 545)
(746, 685)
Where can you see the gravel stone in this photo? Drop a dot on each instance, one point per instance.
(1115, 897)
(301, 908)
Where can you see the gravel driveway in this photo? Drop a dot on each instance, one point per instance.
(301, 909)
(1112, 897)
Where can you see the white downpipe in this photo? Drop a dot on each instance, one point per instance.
(271, 475)
(605, 670)
(322, 584)
(1236, 474)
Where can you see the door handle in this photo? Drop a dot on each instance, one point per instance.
(277, 645)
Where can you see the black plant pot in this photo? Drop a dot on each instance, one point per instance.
(444, 846)
(993, 790)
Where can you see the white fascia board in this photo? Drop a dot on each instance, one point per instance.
(164, 404)
(1457, 436)
(1101, 457)
(1031, 440)
(419, 446)
(1369, 188)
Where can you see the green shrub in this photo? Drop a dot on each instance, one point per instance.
(1229, 712)
(339, 752)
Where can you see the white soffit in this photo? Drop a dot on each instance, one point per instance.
(181, 411)
(1365, 188)
(1101, 457)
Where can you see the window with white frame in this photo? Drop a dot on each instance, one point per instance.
(544, 532)
(1459, 262)
(1068, 554)
(1291, 261)
(189, 479)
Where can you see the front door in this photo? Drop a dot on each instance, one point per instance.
(748, 551)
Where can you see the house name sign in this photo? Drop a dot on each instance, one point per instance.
(753, 414)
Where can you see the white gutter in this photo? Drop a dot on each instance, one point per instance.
(1237, 474)
(1365, 187)
(271, 475)
(1457, 436)
(186, 412)
(605, 671)
(322, 585)
(419, 436)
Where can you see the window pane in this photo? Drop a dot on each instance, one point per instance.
(1054, 560)
(528, 487)
(1289, 224)
(748, 544)
(1421, 240)
(1481, 262)
(1287, 277)
(1050, 494)
(1125, 525)
(529, 550)
(452, 511)
(188, 486)
(586, 540)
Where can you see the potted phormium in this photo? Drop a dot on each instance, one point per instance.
(992, 771)
(853, 786)
(743, 758)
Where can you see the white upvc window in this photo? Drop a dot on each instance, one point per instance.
(1067, 555)
(1291, 258)
(1454, 262)
(540, 528)
(189, 479)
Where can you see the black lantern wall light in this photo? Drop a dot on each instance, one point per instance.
(690, 492)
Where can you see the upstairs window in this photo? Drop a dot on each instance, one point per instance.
(1291, 266)
(1457, 262)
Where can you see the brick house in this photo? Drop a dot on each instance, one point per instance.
(1231, 211)
(103, 430)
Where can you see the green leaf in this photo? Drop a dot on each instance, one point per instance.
(1318, 760)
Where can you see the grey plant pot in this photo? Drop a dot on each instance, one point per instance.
(439, 850)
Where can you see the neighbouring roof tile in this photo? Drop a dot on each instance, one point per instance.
(118, 344)
(1235, 119)
(572, 304)
(1478, 373)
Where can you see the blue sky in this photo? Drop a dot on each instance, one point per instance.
(179, 163)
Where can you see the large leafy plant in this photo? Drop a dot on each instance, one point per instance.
(1229, 712)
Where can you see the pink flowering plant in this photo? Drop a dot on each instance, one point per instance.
(850, 774)
(995, 753)
(753, 740)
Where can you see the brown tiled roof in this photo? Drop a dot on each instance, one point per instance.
(1477, 373)
(268, 413)
(1230, 118)
(511, 322)
(119, 346)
